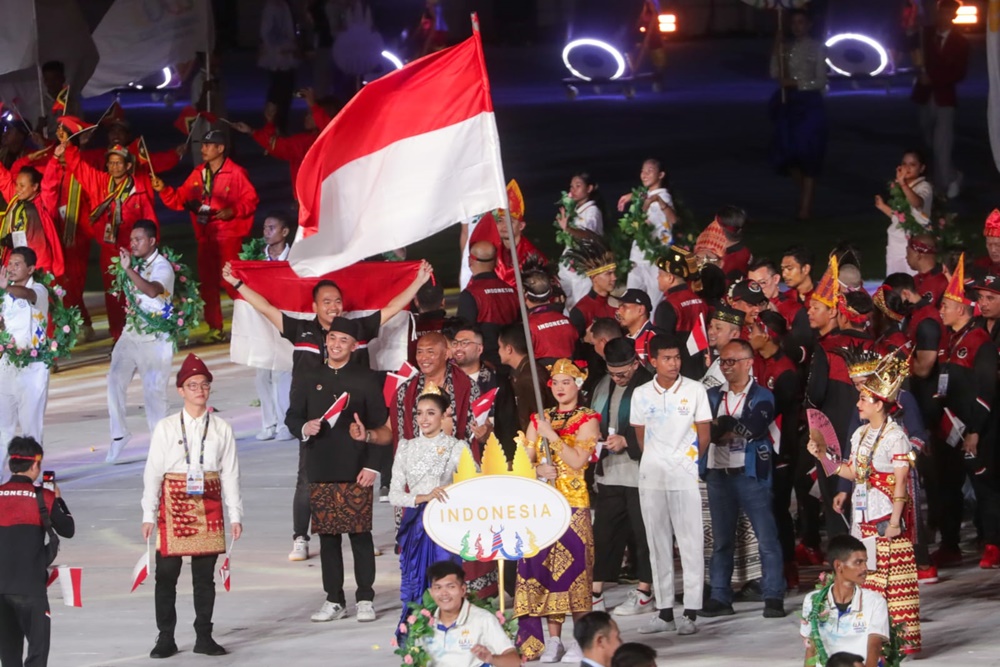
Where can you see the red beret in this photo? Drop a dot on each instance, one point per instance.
(193, 365)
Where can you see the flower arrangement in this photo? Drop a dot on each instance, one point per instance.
(902, 213)
(65, 322)
(563, 237)
(254, 250)
(419, 627)
(181, 314)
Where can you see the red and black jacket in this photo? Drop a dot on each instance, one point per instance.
(552, 334)
(23, 562)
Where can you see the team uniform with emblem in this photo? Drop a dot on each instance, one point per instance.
(552, 334)
(848, 630)
(491, 303)
(451, 646)
(24, 392)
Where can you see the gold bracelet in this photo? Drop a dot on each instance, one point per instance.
(900, 498)
(894, 525)
(837, 471)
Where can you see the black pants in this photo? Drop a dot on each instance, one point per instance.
(617, 519)
(332, 560)
(944, 475)
(168, 569)
(781, 502)
(301, 512)
(988, 504)
(808, 505)
(280, 89)
(24, 617)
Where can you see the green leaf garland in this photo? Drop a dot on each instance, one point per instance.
(66, 323)
(901, 211)
(178, 317)
(254, 250)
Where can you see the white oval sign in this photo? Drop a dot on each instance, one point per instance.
(495, 517)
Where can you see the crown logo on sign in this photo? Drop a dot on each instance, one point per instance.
(494, 463)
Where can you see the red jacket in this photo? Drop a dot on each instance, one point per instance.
(137, 206)
(931, 284)
(41, 233)
(736, 261)
(68, 198)
(946, 65)
(291, 149)
(787, 304)
(553, 335)
(688, 307)
(987, 265)
(230, 189)
(588, 309)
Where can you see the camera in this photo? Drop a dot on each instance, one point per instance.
(49, 479)
(203, 215)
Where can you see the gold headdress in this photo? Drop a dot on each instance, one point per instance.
(590, 256)
(860, 362)
(884, 383)
(567, 367)
(432, 389)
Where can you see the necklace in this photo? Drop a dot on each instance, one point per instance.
(866, 454)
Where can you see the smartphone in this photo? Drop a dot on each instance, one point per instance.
(49, 479)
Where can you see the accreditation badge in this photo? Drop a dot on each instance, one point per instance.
(195, 481)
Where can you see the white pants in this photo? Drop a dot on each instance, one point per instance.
(938, 126)
(23, 395)
(669, 515)
(574, 285)
(273, 388)
(152, 359)
(643, 276)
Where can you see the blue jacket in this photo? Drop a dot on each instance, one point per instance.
(753, 424)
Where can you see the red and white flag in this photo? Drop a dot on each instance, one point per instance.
(952, 427)
(481, 408)
(333, 414)
(224, 570)
(774, 432)
(141, 570)
(414, 152)
(814, 490)
(393, 381)
(70, 581)
(366, 288)
(698, 338)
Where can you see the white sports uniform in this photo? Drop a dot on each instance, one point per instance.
(588, 216)
(643, 274)
(24, 391)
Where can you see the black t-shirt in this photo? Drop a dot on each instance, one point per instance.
(333, 455)
(309, 339)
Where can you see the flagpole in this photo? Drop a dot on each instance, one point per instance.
(149, 160)
(38, 64)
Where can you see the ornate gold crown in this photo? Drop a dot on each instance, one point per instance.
(884, 383)
(567, 367)
(494, 462)
(431, 388)
(860, 362)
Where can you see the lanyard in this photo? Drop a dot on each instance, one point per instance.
(208, 182)
(725, 399)
(184, 440)
(954, 346)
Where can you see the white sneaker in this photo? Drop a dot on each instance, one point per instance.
(282, 433)
(330, 611)
(115, 450)
(636, 603)
(300, 549)
(266, 433)
(573, 653)
(383, 494)
(366, 611)
(685, 626)
(657, 624)
(597, 602)
(553, 650)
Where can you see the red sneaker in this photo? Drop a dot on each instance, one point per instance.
(792, 576)
(946, 557)
(808, 556)
(927, 575)
(991, 557)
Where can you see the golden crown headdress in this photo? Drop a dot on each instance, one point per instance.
(567, 367)
(860, 362)
(884, 383)
(432, 389)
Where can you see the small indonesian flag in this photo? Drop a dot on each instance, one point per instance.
(141, 570)
(333, 414)
(224, 569)
(952, 428)
(481, 408)
(774, 432)
(393, 381)
(698, 338)
(70, 579)
(814, 490)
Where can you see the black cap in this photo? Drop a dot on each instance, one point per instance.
(619, 352)
(729, 314)
(636, 296)
(345, 325)
(988, 283)
(214, 137)
(748, 291)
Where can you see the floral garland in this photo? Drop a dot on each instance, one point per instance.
(254, 250)
(66, 323)
(563, 237)
(419, 627)
(635, 225)
(181, 314)
(901, 211)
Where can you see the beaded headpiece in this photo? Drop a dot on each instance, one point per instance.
(860, 362)
(567, 367)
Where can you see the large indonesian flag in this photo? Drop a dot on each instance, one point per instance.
(366, 287)
(414, 152)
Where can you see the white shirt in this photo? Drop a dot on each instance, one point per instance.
(867, 615)
(155, 269)
(423, 464)
(670, 451)
(283, 256)
(27, 321)
(278, 44)
(588, 216)
(713, 376)
(892, 452)
(730, 453)
(166, 454)
(895, 250)
(656, 216)
(452, 647)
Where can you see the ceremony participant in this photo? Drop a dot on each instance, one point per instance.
(184, 489)
(849, 615)
(222, 202)
(634, 311)
(738, 474)
(747, 297)
(464, 634)
(486, 300)
(660, 217)
(634, 654)
(24, 391)
(737, 258)
(139, 349)
(552, 334)
(879, 465)
(551, 587)
(617, 512)
(598, 637)
(493, 228)
(119, 198)
(710, 246)
(765, 273)
(942, 64)
(24, 603)
(797, 109)
(428, 316)
(279, 55)
(514, 355)
(681, 309)
(988, 300)
(796, 270)
(919, 194)
(341, 462)
(584, 221)
(672, 420)
(928, 274)
(967, 387)
(991, 233)
(29, 219)
(422, 468)
(726, 325)
(594, 258)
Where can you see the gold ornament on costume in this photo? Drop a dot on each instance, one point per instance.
(860, 362)
(884, 383)
(566, 367)
(494, 462)
(431, 389)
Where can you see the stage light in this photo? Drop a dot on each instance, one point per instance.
(391, 57)
(883, 57)
(967, 15)
(619, 60)
(167, 76)
(668, 22)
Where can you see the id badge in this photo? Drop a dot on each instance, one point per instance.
(19, 239)
(195, 481)
(942, 388)
(859, 500)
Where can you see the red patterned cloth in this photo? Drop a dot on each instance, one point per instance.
(191, 525)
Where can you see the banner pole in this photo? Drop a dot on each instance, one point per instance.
(500, 596)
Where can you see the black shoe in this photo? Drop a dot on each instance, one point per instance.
(207, 646)
(750, 592)
(715, 608)
(165, 647)
(774, 609)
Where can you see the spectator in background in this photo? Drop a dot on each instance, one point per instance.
(598, 637)
(634, 654)
(278, 53)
